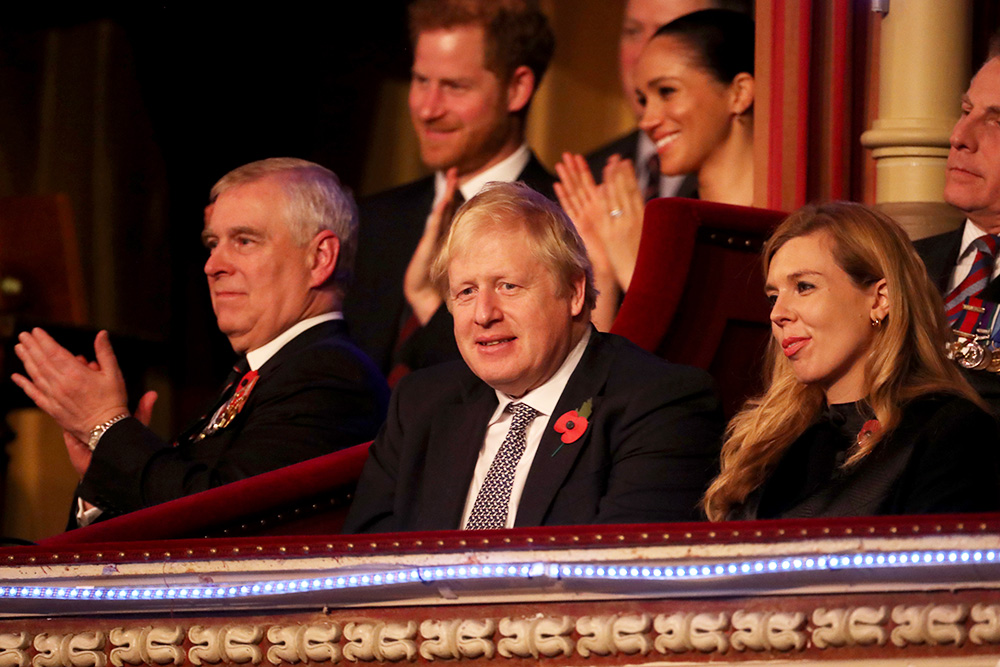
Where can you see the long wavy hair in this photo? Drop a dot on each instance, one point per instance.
(906, 359)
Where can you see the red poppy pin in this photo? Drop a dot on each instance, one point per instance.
(868, 429)
(573, 424)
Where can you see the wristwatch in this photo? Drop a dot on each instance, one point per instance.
(98, 431)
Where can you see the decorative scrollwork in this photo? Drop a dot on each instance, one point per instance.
(147, 646)
(682, 632)
(229, 643)
(380, 641)
(85, 649)
(12, 653)
(930, 624)
(856, 626)
(765, 631)
(608, 635)
(303, 643)
(457, 638)
(536, 636)
(985, 629)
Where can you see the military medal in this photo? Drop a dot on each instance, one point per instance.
(975, 345)
(225, 415)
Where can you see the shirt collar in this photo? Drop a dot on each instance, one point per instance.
(969, 234)
(505, 171)
(260, 356)
(545, 397)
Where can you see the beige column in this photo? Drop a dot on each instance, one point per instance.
(923, 71)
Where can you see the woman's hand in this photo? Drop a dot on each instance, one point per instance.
(621, 230)
(420, 292)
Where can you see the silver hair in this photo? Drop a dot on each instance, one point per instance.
(315, 201)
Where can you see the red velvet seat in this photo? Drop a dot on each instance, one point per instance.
(308, 498)
(697, 295)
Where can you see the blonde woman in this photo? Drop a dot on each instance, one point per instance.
(863, 414)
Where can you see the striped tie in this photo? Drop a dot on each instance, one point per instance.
(977, 280)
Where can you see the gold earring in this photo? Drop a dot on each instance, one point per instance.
(876, 321)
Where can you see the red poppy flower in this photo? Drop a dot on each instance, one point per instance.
(572, 426)
(870, 428)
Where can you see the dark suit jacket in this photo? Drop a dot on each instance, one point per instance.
(628, 148)
(649, 451)
(940, 253)
(943, 457)
(391, 224)
(317, 394)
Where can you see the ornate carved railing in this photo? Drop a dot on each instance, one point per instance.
(906, 590)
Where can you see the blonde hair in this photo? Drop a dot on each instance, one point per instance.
(906, 359)
(551, 235)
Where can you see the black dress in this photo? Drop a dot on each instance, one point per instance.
(944, 456)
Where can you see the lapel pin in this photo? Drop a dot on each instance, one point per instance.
(573, 424)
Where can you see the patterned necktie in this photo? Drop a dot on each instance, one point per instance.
(489, 512)
(977, 280)
(652, 189)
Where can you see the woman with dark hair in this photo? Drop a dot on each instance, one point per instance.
(863, 413)
(696, 86)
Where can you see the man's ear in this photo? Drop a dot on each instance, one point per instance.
(324, 251)
(579, 296)
(520, 88)
(741, 92)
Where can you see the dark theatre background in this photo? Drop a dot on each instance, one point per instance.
(135, 111)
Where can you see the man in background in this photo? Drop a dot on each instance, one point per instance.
(476, 67)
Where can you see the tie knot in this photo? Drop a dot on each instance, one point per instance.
(986, 244)
(522, 414)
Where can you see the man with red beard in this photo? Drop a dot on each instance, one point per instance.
(962, 262)
(476, 66)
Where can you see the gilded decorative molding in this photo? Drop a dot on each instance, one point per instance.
(384, 642)
(84, 649)
(457, 638)
(855, 626)
(986, 628)
(768, 631)
(12, 649)
(228, 643)
(146, 646)
(303, 643)
(536, 636)
(691, 632)
(929, 624)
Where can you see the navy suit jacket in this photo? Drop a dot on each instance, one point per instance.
(316, 395)
(391, 224)
(628, 148)
(649, 451)
(940, 253)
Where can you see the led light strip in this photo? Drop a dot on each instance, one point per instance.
(509, 571)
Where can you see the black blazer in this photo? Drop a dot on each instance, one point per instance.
(940, 253)
(627, 147)
(944, 456)
(650, 449)
(316, 395)
(391, 224)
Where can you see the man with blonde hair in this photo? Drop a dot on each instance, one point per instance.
(280, 235)
(545, 421)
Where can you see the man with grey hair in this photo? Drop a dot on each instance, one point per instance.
(281, 236)
(544, 421)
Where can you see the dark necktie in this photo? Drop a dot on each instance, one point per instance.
(978, 278)
(489, 512)
(409, 324)
(240, 368)
(652, 187)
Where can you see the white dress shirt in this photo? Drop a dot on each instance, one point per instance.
(505, 171)
(543, 399)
